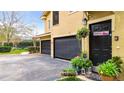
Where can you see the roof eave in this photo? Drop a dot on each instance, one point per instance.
(43, 16)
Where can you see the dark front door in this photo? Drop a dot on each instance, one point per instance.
(45, 47)
(66, 47)
(100, 42)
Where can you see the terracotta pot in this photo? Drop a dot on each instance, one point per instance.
(107, 78)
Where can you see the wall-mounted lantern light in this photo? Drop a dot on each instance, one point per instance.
(84, 21)
(116, 38)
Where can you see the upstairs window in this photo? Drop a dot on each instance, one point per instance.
(55, 17)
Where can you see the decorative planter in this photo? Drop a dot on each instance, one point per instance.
(107, 78)
(88, 70)
(84, 55)
(79, 72)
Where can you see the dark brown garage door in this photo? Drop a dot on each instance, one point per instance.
(45, 47)
(66, 47)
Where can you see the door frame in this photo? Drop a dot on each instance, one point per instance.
(110, 33)
(111, 17)
(60, 38)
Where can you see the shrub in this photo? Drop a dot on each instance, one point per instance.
(87, 63)
(69, 72)
(77, 62)
(4, 49)
(109, 68)
(80, 62)
(25, 44)
(70, 78)
(33, 49)
(8, 44)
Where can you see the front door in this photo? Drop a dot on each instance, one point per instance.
(100, 43)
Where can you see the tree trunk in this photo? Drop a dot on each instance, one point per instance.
(34, 43)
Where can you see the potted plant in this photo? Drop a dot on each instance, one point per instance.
(82, 33)
(84, 54)
(77, 64)
(87, 65)
(109, 70)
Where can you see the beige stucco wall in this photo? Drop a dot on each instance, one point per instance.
(46, 23)
(119, 31)
(70, 23)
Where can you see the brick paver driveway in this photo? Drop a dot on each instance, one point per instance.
(30, 67)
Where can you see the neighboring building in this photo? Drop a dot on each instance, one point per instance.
(106, 37)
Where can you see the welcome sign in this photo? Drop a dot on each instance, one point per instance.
(102, 33)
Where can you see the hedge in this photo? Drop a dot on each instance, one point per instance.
(33, 49)
(4, 49)
(25, 44)
(8, 44)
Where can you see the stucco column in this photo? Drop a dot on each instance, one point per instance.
(52, 47)
(40, 45)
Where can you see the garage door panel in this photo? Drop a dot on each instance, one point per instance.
(45, 47)
(67, 47)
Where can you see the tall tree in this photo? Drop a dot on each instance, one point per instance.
(12, 26)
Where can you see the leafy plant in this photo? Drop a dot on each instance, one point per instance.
(109, 68)
(82, 33)
(70, 78)
(84, 54)
(118, 61)
(87, 63)
(77, 62)
(69, 72)
(4, 49)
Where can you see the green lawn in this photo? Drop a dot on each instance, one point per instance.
(16, 51)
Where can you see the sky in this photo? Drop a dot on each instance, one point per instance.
(33, 17)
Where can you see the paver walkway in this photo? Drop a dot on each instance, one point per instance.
(30, 67)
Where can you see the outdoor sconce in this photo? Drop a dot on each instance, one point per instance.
(116, 38)
(84, 21)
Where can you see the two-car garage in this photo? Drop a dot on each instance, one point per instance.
(64, 47)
